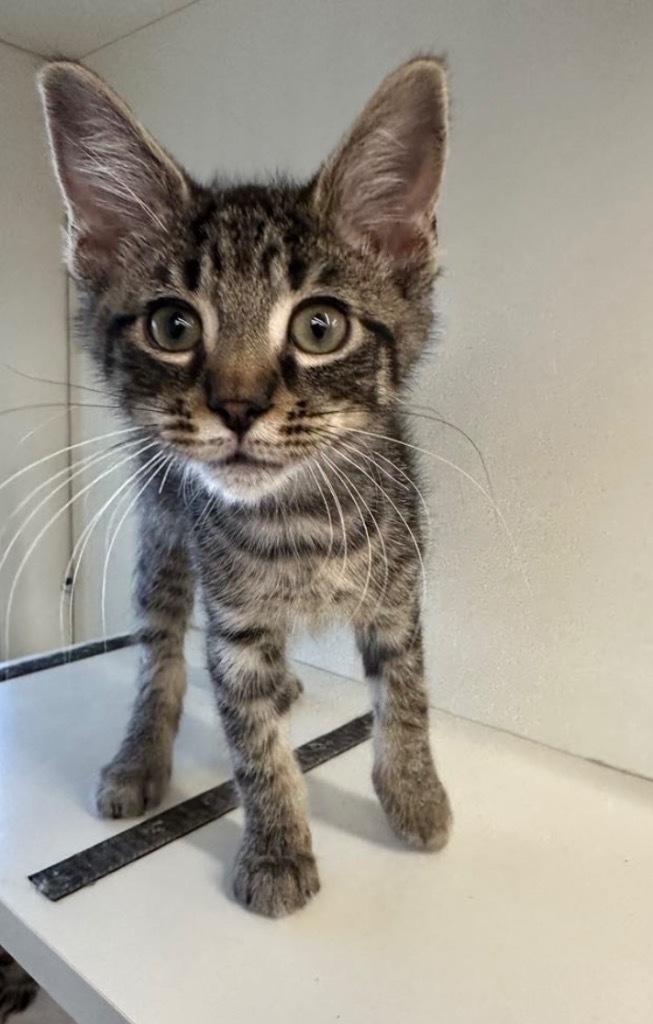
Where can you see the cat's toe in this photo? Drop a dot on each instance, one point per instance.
(128, 789)
(275, 886)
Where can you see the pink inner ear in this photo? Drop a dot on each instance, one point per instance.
(382, 185)
(93, 220)
(398, 214)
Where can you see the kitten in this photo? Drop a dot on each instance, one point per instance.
(260, 336)
(17, 989)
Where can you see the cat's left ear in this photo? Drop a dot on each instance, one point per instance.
(115, 179)
(381, 186)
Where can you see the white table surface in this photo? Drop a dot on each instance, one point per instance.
(539, 912)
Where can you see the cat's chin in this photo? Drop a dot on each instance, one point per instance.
(242, 483)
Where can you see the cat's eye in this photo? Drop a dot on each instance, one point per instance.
(174, 327)
(319, 327)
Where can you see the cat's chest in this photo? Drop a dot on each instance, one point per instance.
(283, 570)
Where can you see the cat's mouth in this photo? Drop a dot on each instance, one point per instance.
(241, 460)
(244, 477)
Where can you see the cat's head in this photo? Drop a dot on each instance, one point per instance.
(252, 329)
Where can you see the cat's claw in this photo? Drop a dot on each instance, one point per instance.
(275, 885)
(129, 789)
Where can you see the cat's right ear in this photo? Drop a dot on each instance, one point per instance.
(380, 188)
(116, 181)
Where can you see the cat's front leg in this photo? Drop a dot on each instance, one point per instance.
(275, 871)
(404, 775)
(137, 778)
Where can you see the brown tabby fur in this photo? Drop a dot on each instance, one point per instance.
(276, 482)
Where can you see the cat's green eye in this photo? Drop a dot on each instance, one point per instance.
(319, 327)
(174, 327)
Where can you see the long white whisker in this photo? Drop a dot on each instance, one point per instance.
(472, 480)
(343, 477)
(166, 474)
(38, 537)
(366, 455)
(347, 480)
(70, 476)
(42, 426)
(401, 516)
(62, 451)
(77, 554)
(438, 418)
(159, 466)
(340, 514)
(326, 506)
(77, 466)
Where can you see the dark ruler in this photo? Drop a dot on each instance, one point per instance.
(88, 866)
(39, 662)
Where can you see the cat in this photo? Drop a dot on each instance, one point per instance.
(17, 989)
(259, 339)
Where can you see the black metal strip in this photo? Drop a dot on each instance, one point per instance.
(38, 662)
(82, 869)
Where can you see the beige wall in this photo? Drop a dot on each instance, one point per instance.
(547, 228)
(33, 340)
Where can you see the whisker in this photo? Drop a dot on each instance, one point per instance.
(42, 426)
(40, 534)
(383, 550)
(401, 516)
(62, 405)
(63, 451)
(163, 458)
(409, 483)
(80, 468)
(459, 430)
(165, 475)
(70, 471)
(346, 481)
(74, 562)
(340, 514)
(309, 466)
(472, 480)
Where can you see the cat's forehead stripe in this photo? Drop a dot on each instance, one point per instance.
(191, 274)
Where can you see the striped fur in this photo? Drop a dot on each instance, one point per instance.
(309, 513)
(17, 989)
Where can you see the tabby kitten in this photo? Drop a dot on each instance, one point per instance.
(17, 989)
(260, 337)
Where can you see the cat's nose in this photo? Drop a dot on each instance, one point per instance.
(239, 415)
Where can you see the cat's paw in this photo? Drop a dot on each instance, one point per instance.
(296, 687)
(288, 694)
(275, 885)
(415, 802)
(17, 989)
(129, 788)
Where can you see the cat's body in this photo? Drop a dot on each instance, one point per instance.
(17, 989)
(259, 338)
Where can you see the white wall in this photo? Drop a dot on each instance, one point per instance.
(547, 226)
(33, 340)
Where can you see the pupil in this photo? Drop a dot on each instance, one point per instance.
(176, 327)
(319, 326)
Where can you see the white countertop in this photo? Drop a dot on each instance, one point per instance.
(539, 912)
